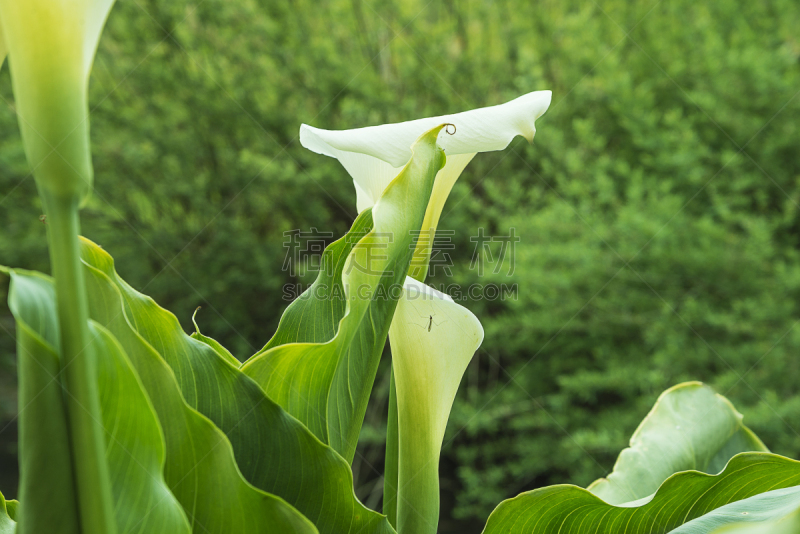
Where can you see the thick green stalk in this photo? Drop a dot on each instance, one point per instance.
(95, 506)
(390, 465)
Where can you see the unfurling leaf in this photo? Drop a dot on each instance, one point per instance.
(689, 427)
(681, 498)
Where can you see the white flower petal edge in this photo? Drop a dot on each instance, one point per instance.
(375, 154)
(433, 340)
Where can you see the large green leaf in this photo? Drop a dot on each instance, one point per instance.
(690, 428)
(135, 447)
(201, 468)
(273, 450)
(683, 497)
(7, 523)
(325, 382)
(134, 444)
(773, 512)
(45, 459)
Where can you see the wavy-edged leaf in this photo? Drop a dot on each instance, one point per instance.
(7, 523)
(273, 450)
(682, 497)
(689, 428)
(327, 385)
(134, 444)
(773, 512)
(135, 447)
(200, 467)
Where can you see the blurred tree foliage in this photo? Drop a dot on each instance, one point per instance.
(657, 210)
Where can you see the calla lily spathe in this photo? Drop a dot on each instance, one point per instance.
(51, 46)
(433, 340)
(375, 155)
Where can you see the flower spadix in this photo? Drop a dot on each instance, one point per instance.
(433, 340)
(375, 155)
(51, 46)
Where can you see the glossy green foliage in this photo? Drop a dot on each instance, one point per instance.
(327, 384)
(135, 451)
(667, 476)
(199, 455)
(314, 318)
(260, 432)
(689, 428)
(773, 512)
(684, 496)
(135, 445)
(229, 454)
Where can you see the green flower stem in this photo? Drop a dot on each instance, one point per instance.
(77, 367)
(391, 459)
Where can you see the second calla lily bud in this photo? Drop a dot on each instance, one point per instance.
(51, 46)
(433, 340)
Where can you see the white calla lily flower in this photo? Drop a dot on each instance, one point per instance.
(433, 340)
(374, 155)
(51, 46)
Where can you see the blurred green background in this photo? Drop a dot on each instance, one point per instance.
(657, 209)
